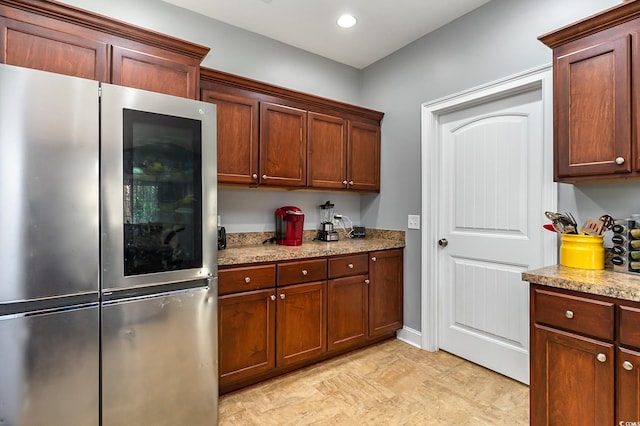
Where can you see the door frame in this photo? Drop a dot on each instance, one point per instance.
(540, 77)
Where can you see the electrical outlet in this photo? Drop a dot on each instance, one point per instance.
(413, 221)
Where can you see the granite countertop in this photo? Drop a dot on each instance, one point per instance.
(601, 282)
(248, 247)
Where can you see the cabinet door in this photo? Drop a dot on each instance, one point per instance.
(385, 292)
(347, 312)
(363, 170)
(302, 324)
(46, 49)
(593, 127)
(628, 386)
(237, 137)
(572, 380)
(327, 145)
(246, 334)
(155, 70)
(283, 145)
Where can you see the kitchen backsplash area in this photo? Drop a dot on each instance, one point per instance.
(252, 210)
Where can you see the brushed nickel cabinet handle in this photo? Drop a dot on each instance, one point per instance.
(627, 366)
(305, 272)
(282, 296)
(265, 177)
(620, 160)
(350, 266)
(350, 182)
(373, 259)
(569, 314)
(367, 281)
(601, 357)
(273, 297)
(254, 176)
(247, 280)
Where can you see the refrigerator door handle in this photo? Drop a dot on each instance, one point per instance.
(155, 290)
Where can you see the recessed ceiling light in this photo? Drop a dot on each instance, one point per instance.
(346, 21)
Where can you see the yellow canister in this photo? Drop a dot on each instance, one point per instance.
(582, 251)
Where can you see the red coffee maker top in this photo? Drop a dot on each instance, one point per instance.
(289, 225)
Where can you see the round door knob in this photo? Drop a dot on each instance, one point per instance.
(265, 177)
(255, 176)
(282, 296)
(350, 266)
(373, 259)
(601, 357)
(247, 280)
(620, 160)
(367, 281)
(443, 242)
(627, 366)
(305, 272)
(273, 297)
(569, 314)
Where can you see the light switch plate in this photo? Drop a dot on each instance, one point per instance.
(413, 221)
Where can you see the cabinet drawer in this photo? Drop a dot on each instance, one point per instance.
(630, 326)
(581, 315)
(345, 266)
(246, 278)
(302, 271)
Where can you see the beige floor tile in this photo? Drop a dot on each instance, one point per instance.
(391, 383)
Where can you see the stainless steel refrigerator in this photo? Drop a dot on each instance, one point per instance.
(108, 254)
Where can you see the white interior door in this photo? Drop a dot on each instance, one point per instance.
(490, 197)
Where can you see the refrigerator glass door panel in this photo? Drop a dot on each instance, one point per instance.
(48, 184)
(49, 369)
(158, 186)
(159, 360)
(162, 186)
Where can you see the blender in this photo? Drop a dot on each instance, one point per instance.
(327, 233)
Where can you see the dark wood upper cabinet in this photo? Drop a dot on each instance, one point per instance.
(55, 37)
(596, 69)
(305, 141)
(283, 145)
(237, 137)
(32, 46)
(363, 171)
(327, 150)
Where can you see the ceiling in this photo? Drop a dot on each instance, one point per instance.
(383, 26)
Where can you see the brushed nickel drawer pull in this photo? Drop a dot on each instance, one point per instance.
(305, 272)
(282, 296)
(627, 366)
(367, 281)
(350, 266)
(569, 314)
(247, 280)
(601, 357)
(273, 297)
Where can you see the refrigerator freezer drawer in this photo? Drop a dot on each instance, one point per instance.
(159, 360)
(49, 372)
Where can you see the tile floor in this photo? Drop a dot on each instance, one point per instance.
(391, 383)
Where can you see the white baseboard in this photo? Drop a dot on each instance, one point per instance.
(410, 336)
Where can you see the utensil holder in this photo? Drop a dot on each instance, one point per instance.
(582, 251)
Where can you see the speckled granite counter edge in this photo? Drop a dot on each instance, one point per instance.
(246, 248)
(599, 282)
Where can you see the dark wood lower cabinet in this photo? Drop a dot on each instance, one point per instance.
(385, 292)
(266, 332)
(628, 388)
(348, 311)
(585, 359)
(572, 378)
(301, 325)
(246, 331)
